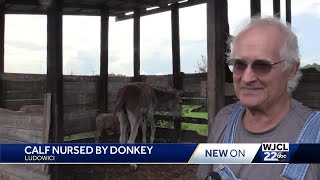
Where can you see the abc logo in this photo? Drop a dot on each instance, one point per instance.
(274, 156)
(281, 156)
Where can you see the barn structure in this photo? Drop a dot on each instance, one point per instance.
(217, 35)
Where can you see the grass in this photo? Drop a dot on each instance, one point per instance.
(74, 137)
(187, 112)
(202, 129)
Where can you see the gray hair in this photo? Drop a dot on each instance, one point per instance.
(289, 50)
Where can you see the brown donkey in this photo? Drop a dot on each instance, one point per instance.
(135, 105)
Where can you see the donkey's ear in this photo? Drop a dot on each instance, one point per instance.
(179, 93)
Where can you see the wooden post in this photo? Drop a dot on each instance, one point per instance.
(104, 31)
(288, 11)
(217, 34)
(2, 28)
(177, 84)
(136, 45)
(255, 7)
(276, 8)
(55, 76)
(46, 125)
(46, 118)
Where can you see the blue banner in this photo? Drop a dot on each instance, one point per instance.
(204, 153)
(96, 153)
(295, 153)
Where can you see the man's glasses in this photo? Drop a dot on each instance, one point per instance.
(259, 66)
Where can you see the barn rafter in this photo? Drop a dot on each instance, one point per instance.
(118, 8)
(217, 35)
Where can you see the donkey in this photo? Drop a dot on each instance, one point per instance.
(135, 105)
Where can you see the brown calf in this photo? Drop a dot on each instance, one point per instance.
(106, 121)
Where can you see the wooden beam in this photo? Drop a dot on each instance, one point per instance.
(55, 76)
(276, 8)
(2, 29)
(189, 3)
(177, 83)
(30, 2)
(46, 118)
(77, 10)
(143, 2)
(94, 9)
(175, 46)
(288, 11)
(136, 45)
(54, 66)
(103, 95)
(97, 5)
(65, 4)
(44, 12)
(255, 6)
(217, 35)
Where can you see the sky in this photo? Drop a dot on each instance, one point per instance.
(26, 42)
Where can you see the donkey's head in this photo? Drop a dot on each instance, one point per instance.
(175, 103)
(169, 98)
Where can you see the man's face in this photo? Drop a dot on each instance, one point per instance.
(253, 89)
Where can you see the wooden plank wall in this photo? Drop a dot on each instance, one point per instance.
(20, 126)
(22, 89)
(308, 90)
(193, 85)
(29, 125)
(114, 84)
(80, 103)
(80, 94)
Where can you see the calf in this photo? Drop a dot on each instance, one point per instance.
(106, 121)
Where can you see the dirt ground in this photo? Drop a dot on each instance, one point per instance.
(144, 171)
(123, 172)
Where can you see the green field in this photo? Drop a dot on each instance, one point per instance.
(202, 129)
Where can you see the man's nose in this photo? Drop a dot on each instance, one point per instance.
(248, 75)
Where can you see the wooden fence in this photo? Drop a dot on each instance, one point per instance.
(81, 100)
(28, 125)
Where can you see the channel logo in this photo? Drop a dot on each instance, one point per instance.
(275, 152)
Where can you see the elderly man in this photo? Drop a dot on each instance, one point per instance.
(264, 60)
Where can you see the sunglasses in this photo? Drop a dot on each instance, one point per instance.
(259, 66)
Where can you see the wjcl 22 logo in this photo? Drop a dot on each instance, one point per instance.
(275, 152)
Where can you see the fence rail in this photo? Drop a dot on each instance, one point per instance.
(192, 120)
(81, 99)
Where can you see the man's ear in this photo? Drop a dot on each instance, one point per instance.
(294, 70)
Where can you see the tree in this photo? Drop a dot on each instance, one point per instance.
(202, 65)
(314, 65)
